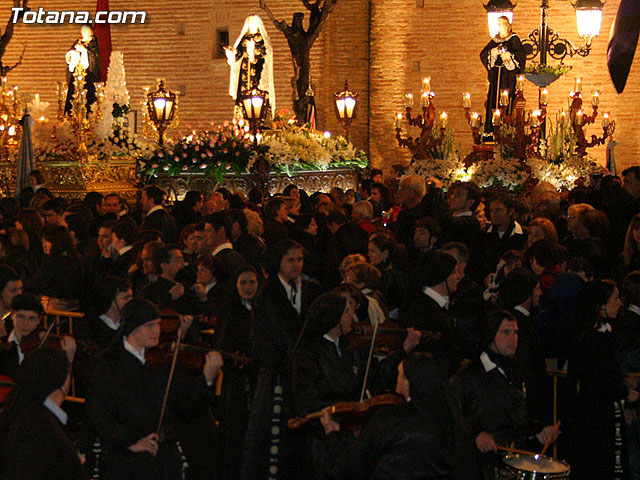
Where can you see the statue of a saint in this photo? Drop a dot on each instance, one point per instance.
(504, 58)
(251, 62)
(85, 55)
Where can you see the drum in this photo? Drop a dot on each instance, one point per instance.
(532, 467)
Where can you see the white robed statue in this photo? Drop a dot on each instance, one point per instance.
(251, 62)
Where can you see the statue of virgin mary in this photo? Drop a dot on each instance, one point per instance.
(251, 62)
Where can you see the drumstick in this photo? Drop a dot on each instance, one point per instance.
(546, 445)
(515, 450)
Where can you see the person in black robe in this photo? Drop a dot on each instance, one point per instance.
(34, 442)
(88, 43)
(423, 438)
(125, 401)
(504, 58)
(276, 324)
(491, 395)
(598, 432)
(238, 383)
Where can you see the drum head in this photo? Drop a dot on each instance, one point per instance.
(536, 463)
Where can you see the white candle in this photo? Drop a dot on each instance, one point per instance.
(535, 118)
(504, 98)
(444, 118)
(475, 119)
(466, 100)
(595, 99)
(496, 118)
(578, 85)
(544, 97)
(520, 83)
(424, 99)
(579, 118)
(426, 84)
(398, 120)
(605, 120)
(408, 100)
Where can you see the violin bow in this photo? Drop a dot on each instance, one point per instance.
(165, 400)
(48, 332)
(366, 372)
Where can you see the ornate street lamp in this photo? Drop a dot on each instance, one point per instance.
(496, 9)
(162, 106)
(589, 18)
(346, 103)
(253, 103)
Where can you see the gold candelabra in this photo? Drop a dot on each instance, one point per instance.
(432, 127)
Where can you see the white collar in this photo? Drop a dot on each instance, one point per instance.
(125, 249)
(336, 342)
(130, 348)
(223, 246)
(442, 301)
(14, 338)
(288, 290)
(208, 287)
(488, 364)
(517, 229)
(109, 322)
(522, 310)
(604, 328)
(60, 414)
(634, 308)
(154, 209)
(468, 213)
(247, 304)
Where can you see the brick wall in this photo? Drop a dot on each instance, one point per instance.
(383, 47)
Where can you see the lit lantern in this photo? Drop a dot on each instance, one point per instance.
(589, 17)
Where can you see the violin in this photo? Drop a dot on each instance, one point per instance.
(351, 413)
(389, 337)
(170, 320)
(191, 356)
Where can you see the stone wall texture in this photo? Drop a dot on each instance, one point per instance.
(383, 47)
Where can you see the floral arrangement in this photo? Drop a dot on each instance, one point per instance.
(563, 175)
(225, 149)
(537, 69)
(228, 148)
(294, 148)
(445, 163)
(506, 172)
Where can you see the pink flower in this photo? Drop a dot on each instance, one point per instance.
(228, 166)
(154, 165)
(226, 150)
(165, 168)
(203, 166)
(237, 154)
(160, 154)
(184, 155)
(234, 144)
(209, 153)
(185, 167)
(194, 160)
(203, 155)
(219, 143)
(197, 148)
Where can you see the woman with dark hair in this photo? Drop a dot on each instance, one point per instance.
(232, 335)
(34, 443)
(31, 222)
(388, 256)
(595, 373)
(60, 278)
(422, 438)
(276, 324)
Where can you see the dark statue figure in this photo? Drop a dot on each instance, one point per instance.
(300, 42)
(504, 58)
(83, 53)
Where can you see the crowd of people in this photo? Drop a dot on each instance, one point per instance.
(444, 309)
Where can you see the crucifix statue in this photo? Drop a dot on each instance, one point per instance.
(300, 42)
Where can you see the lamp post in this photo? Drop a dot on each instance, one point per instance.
(346, 103)
(253, 102)
(161, 106)
(544, 40)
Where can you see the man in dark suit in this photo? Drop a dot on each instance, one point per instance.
(155, 216)
(437, 279)
(217, 241)
(503, 234)
(277, 322)
(123, 238)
